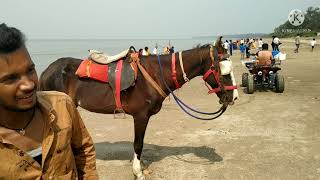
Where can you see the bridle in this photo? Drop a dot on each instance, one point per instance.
(215, 70)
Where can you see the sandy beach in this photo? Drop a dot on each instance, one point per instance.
(265, 135)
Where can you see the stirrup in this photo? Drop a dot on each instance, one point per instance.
(117, 113)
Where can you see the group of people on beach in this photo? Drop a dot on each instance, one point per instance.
(276, 43)
(247, 46)
(255, 47)
(297, 43)
(258, 49)
(166, 50)
(251, 46)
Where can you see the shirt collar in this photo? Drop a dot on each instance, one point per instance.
(46, 108)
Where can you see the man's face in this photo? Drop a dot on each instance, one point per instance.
(18, 81)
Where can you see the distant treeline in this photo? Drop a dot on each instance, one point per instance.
(234, 36)
(310, 26)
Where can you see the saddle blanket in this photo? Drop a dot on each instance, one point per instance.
(89, 69)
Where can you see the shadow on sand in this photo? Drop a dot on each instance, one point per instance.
(123, 150)
(259, 89)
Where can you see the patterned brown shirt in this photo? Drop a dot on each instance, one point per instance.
(67, 148)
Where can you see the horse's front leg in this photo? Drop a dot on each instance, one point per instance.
(140, 125)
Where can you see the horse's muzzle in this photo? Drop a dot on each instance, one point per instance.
(229, 98)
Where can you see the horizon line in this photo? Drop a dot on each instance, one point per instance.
(141, 38)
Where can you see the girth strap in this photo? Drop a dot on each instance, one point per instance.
(118, 83)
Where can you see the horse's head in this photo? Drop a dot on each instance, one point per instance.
(218, 72)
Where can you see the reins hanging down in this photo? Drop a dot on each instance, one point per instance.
(148, 77)
(182, 105)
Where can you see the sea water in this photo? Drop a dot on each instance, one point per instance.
(45, 51)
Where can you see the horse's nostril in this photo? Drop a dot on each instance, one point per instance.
(235, 98)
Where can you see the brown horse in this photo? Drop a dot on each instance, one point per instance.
(141, 100)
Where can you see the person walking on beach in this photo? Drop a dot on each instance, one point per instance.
(171, 50)
(226, 45)
(242, 41)
(166, 50)
(276, 43)
(42, 135)
(230, 47)
(260, 42)
(155, 50)
(247, 48)
(297, 42)
(313, 43)
(145, 51)
(253, 47)
(140, 52)
(242, 50)
(272, 43)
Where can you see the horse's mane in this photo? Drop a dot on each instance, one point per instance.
(205, 46)
(199, 46)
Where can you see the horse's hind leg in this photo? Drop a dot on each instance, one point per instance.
(140, 125)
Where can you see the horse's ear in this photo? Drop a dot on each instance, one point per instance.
(219, 45)
(219, 42)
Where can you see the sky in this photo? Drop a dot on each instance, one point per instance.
(113, 19)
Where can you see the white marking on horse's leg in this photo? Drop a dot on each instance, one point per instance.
(235, 91)
(79, 103)
(136, 168)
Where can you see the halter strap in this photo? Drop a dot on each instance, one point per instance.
(181, 65)
(216, 73)
(174, 72)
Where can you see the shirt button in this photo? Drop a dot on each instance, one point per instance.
(52, 117)
(21, 153)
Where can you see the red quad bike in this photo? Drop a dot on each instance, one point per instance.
(262, 77)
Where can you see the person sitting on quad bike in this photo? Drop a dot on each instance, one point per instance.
(265, 60)
(264, 56)
(263, 72)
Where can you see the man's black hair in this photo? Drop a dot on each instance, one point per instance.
(11, 39)
(265, 46)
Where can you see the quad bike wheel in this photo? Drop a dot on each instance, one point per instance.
(279, 83)
(244, 79)
(250, 84)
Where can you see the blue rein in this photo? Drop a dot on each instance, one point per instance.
(182, 105)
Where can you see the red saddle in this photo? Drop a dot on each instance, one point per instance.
(120, 74)
(89, 69)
